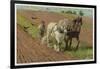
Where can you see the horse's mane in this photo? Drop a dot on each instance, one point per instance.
(75, 25)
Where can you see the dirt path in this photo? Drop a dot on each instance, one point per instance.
(29, 50)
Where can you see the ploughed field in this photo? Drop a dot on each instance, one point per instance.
(30, 50)
(29, 47)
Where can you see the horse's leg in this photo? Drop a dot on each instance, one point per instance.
(70, 43)
(77, 43)
(66, 40)
(59, 45)
(48, 40)
(56, 46)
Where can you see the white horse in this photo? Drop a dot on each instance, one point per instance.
(56, 31)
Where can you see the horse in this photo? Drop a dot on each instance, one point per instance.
(73, 31)
(55, 31)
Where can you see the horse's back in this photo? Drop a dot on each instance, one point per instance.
(50, 26)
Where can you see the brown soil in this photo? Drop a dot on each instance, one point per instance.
(41, 15)
(29, 50)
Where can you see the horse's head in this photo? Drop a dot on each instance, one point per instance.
(79, 20)
(77, 23)
(62, 25)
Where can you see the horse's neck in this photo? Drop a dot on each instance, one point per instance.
(57, 29)
(54, 28)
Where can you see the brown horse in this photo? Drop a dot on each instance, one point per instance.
(73, 31)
